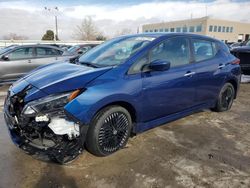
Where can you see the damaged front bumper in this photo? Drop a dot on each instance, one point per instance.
(54, 136)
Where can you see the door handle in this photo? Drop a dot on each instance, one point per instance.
(188, 74)
(221, 66)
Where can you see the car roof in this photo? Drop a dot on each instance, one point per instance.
(37, 45)
(88, 44)
(162, 34)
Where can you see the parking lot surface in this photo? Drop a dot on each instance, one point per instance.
(206, 149)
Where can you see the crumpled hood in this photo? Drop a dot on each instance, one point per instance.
(57, 78)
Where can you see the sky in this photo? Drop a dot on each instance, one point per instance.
(28, 18)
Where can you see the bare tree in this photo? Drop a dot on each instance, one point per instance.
(124, 31)
(87, 30)
(14, 36)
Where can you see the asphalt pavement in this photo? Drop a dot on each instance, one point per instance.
(206, 149)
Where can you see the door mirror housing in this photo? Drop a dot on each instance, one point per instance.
(159, 65)
(80, 52)
(5, 58)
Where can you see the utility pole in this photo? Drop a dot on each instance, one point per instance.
(56, 35)
(54, 11)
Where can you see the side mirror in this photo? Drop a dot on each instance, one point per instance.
(5, 58)
(159, 65)
(80, 52)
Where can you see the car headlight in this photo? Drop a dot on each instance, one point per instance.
(50, 103)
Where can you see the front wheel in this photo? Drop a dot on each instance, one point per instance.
(225, 99)
(109, 131)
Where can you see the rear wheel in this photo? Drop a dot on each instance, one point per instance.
(225, 99)
(109, 131)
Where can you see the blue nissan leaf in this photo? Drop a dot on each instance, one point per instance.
(122, 87)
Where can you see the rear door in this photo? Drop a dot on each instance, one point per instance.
(46, 55)
(172, 91)
(210, 65)
(17, 63)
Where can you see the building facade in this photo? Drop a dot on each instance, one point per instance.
(228, 31)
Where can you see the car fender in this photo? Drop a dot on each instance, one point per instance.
(85, 106)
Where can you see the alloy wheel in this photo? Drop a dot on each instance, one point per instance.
(113, 132)
(227, 98)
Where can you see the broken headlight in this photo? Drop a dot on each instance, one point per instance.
(47, 104)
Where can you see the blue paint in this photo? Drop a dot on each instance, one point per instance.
(157, 97)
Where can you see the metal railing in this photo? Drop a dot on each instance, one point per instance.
(5, 43)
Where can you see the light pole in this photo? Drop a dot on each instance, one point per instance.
(54, 11)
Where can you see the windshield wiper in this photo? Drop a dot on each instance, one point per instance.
(89, 64)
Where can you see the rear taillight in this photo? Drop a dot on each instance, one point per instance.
(236, 62)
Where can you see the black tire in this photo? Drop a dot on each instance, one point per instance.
(226, 98)
(109, 131)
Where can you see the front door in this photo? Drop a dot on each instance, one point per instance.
(17, 63)
(171, 91)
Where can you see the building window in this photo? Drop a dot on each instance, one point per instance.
(215, 28)
(161, 30)
(171, 29)
(210, 28)
(227, 30)
(223, 29)
(166, 30)
(178, 29)
(156, 30)
(231, 29)
(191, 29)
(146, 31)
(198, 28)
(185, 29)
(151, 31)
(219, 28)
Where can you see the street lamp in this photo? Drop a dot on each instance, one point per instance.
(54, 11)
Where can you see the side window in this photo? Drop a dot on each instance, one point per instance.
(40, 52)
(175, 50)
(44, 52)
(203, 49)
(21, 53)
(139, 64)
(55, 52)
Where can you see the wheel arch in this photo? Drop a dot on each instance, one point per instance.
(128, 106)
(235, 85)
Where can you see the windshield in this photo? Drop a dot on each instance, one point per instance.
(115, 51)
(73, 49)
(4, 50)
